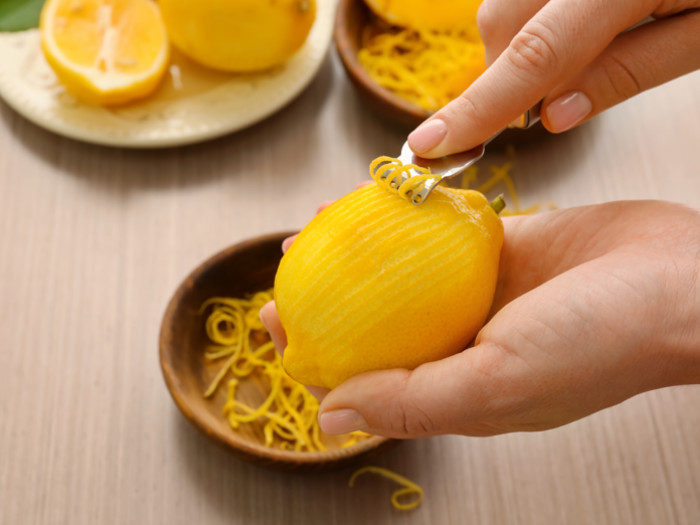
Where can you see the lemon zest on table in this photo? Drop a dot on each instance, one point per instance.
(289, 411)
(408, 487)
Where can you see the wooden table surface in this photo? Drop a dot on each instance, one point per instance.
(95, 240)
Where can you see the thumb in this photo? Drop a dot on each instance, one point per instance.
(435, 398)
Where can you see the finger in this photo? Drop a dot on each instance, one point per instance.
(554, 45)
(288, 242)
(271, 321)
(500, 20)
(323, 206)
(638, 60)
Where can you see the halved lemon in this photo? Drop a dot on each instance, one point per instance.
(438, 15)
(105, 51)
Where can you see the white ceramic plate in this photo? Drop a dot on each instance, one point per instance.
(193, 103)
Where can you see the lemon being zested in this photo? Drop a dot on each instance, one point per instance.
(440, 15)
(374, 282)
(238, 35)
(105, 51)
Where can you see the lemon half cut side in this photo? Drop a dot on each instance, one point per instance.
(106, 52)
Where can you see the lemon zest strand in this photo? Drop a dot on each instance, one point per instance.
(399, 178)
(222, 373)
(408, 486)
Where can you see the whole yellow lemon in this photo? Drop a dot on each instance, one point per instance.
(238, 35)
(374, 282)
(439, 15)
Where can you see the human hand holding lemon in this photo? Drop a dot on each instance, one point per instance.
(593, 305)
(389, 284)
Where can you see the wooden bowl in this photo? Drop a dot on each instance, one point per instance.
(247, 267)
(351, 18)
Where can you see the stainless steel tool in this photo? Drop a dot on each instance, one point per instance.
(451, 165)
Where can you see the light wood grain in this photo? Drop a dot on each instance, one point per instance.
(95, 240)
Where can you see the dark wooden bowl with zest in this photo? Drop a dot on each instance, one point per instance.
(246, 267)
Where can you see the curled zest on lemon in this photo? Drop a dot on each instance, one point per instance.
(290, 412)
(402, 179)
(405, 180)
(408, 487)
(424, 67)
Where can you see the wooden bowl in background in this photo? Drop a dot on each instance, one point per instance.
(247, 267)
(350, 20)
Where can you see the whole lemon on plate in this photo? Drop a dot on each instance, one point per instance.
(238, 35)
(374, 282)
(440, 15)
(105, 51)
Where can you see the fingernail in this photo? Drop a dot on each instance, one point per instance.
(341, 421)
(428, 135)
(568, 110)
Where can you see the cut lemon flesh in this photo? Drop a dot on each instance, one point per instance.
(105, 51)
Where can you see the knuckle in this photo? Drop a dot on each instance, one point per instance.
(461, 109)
(412, 420)
(623, 81)
(531, 51)
(407, 417)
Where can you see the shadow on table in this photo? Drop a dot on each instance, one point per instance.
(119, 170)
(239, 492)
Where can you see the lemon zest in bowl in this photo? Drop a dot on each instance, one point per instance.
(424, 67)
(290, 412)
